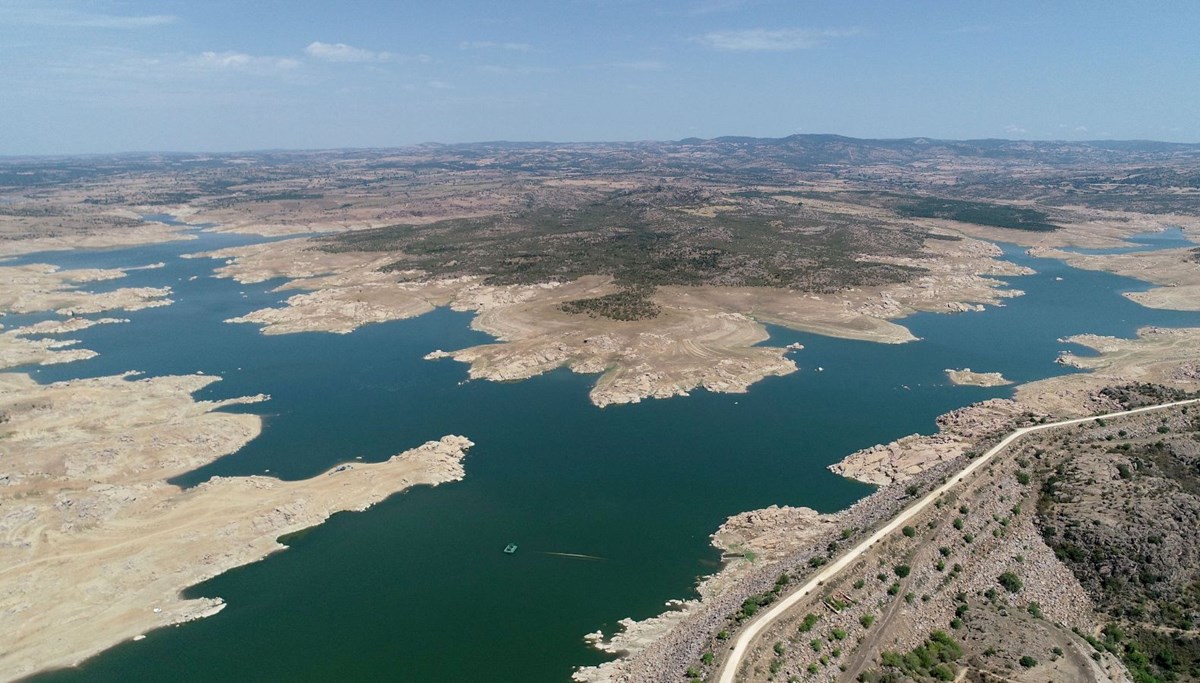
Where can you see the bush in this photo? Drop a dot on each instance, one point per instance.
(909, 531)
(1035, 609)
(866, 620)
(1028, 662)
(779, 648)
(1010, 581)
(1023, 478)
(958, 523)
(810, 620)
(838, 634)
(902, 570)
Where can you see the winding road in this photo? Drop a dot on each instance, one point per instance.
(729, 669)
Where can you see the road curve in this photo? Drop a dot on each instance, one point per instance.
(741, 645)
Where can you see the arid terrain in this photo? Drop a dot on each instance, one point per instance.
(655, 267)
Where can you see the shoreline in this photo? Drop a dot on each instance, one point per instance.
(89, 482)
(704, 336)
(669, 642)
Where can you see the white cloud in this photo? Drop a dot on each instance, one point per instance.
(773, 40)
(493, 45)
(240, 61)
(343, 53)
(1013, 129)
(440, 85)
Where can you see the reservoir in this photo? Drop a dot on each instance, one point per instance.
(418, 588)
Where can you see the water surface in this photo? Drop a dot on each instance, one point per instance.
(417, 588)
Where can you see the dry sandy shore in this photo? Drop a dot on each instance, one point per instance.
(96, 545)
(705, 336)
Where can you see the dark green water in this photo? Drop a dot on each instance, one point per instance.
(417, 588)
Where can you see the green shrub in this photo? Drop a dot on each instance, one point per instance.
(1010, 581)
(902, 570)
(909, 531)
(866, 620)
(1028, 662)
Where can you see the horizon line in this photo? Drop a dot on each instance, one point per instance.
(719, 138)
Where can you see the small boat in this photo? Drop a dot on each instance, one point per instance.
(510, 548)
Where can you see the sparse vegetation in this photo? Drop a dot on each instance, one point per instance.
(1010, 582)
(979, 213)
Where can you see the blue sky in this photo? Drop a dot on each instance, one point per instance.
(81, 76)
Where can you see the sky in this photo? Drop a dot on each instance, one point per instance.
(98, 76)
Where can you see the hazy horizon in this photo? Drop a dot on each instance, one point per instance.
(467, 143)
(114, 76)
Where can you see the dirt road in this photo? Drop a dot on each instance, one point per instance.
(729, 670)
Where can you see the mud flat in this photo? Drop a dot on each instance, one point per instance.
(97, 546)
(704, 336)
(970, 378)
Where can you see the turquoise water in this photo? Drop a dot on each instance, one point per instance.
(417, 588)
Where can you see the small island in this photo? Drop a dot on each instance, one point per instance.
(968, 377)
